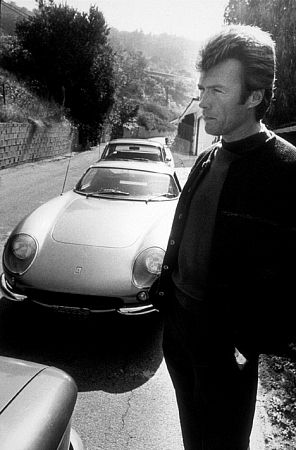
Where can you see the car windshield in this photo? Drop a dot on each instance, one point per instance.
(133, 151)
(127, 184)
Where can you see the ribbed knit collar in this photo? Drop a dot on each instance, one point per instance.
(248, 144)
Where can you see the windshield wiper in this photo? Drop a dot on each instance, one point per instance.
(102, 191)
(110, 191)
(165, 194)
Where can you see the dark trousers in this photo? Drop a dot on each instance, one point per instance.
(216, 397)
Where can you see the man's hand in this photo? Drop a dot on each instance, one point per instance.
(240, 359)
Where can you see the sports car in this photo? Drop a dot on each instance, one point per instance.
(36, 406)
(98, 247)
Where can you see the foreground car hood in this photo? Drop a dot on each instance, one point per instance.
(108, 223)
(37, 404)
(14, 375)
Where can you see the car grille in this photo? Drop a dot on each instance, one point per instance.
(74, 300)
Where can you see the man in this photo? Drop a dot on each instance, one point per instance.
(227, 280)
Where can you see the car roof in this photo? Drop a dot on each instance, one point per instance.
(157, 167)
(159, 139)
(133, 141)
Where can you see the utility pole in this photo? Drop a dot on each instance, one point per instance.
(0, 15)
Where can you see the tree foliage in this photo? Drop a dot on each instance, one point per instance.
(129, 72)
(67, 52)
(135, 91)
(279, 18)
(164, 54)
(155, 117)
(155, 70)
(144, 97)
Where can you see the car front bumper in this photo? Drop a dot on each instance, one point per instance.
(8, 293)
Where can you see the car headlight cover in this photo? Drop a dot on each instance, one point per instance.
(147, 266)
(19, 253)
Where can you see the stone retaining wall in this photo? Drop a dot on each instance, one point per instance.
(26, 142)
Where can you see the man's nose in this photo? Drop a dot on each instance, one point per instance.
(203, 102)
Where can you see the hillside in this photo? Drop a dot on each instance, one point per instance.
(170, 65)
(165, 53)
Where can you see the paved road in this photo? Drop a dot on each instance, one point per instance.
(126, 400)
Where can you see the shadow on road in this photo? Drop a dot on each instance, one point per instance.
(106, 352)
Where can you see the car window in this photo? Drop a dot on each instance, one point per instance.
(101, 181)
(133, 151)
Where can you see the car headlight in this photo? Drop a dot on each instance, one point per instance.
(147, 266)
(19, 253)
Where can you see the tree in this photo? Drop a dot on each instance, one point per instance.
(129, 74)
(155, 117)
(141, 98)
(279, 18)
(68, 54)
(164, 54)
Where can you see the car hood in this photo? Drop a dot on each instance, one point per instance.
(14, 375)
(109, 223)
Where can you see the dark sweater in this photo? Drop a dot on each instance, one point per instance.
(190, 275)
(191, 272)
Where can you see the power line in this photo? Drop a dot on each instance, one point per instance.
(12, 8)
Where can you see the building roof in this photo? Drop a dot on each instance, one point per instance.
(191, 108)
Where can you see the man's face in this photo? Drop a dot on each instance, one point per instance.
(220, 99)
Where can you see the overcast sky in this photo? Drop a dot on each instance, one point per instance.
(193, 19)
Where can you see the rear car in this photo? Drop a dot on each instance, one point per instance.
(138, 149)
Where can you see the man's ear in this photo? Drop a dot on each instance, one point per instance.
(255, 98)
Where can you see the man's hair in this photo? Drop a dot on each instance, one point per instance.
(255, 49)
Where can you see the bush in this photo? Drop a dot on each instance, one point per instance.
(155, 117)
(11, 113)
(18, 103)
